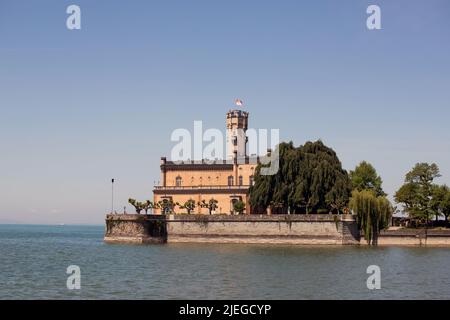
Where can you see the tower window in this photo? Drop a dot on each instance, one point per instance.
(178, 181)
(252, 180)
(230, 181)
(241, 180)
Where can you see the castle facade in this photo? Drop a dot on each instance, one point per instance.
(225, 181)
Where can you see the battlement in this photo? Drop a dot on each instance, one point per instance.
(237, 114)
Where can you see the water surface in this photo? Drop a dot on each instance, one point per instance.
(34, 259)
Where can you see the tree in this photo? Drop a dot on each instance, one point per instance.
(440, 201)
(424, 174)
(138, 206)
(337, 198)
(264, 192)
(373, 213)
(275, 206)
(239, 206)
(416, 194)
(365, 177)
(189, 206)
(211, 205)
(147, 205)
(310, 179)
(437, 196)
(445, 205)
(166, 206)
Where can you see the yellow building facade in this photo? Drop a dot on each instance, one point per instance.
(226, 181)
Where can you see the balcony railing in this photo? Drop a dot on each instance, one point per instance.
(202, 187)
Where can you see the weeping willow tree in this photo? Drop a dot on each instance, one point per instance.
(310, 179)
(373, 213)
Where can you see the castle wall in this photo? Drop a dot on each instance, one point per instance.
(198, 177)
(202, 177)
(205, 183)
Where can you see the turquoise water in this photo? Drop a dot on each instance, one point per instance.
(34, 259)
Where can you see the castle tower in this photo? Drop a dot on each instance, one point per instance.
(237, 125)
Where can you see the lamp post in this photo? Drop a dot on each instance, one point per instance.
(112, 196)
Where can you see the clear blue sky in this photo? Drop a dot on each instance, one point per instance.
(80, 107)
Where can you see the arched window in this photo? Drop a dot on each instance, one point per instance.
(241, 180)
(178, 181)
(252, 180)
(230, 181)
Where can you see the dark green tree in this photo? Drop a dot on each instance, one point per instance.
(417, 192)
(365, 177)
(147, 205)
(310, 179)
(239, 206)
(138, 206)
(268, 189)
(440, 201)
(445, 205)
(211, 205)
(166, 206)
(189, 206)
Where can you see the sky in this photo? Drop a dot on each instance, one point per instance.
(79, 107)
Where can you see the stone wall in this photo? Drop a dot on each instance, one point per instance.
(132, 228)
(276, 229)
(414, 237)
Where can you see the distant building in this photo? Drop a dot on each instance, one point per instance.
(226, 181)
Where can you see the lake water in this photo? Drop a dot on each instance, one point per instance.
(34, 259)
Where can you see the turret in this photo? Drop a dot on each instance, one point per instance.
(237, 125)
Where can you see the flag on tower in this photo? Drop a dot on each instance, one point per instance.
(238, 102)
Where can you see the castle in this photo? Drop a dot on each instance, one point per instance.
(226, 181)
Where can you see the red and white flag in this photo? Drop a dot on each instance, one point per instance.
(238, 102)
